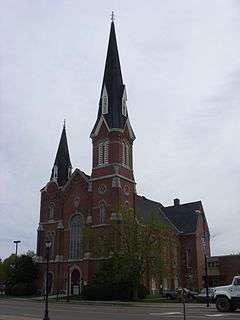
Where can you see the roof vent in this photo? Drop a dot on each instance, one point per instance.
(176, 202)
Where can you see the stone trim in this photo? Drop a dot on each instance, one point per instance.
(113, 176)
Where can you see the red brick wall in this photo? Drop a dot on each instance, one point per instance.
(229, 267)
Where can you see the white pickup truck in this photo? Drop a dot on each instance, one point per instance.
(227, 298)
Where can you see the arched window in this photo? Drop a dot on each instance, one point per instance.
(76, 237)
(103, 153)
(102, 212)
(124, 103)
(104, 101)
(51, 211)
(55, 172)
(125, 154)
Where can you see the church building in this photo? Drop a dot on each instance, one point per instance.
(72, 200)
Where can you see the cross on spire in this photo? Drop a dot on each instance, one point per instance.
(112, 16)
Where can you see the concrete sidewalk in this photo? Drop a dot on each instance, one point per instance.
(2, 317)
(62, 301)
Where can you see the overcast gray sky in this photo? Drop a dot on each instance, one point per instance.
(181, 65)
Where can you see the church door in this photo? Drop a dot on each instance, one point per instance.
(75, 282)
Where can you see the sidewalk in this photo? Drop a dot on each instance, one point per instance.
(17, 318)
(62, 300)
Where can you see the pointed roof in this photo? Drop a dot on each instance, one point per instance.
(62, 160)
(113, 82)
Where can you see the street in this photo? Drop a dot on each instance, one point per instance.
(14, 309)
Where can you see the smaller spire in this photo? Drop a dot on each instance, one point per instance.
(62, 163)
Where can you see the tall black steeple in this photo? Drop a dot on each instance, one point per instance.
(112, 103)
(62, 164)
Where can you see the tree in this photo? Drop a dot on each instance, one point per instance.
(112, 281)
(2, 274)
(30, 253)
(7, 265)
(20, 274)
(140, 246)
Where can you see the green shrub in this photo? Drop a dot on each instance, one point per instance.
(22, 289)
(114, 291)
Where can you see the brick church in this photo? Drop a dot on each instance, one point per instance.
(72, 199)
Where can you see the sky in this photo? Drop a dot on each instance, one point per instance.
(181, 66)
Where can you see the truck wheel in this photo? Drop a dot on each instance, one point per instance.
(233, 308)
(223, 304)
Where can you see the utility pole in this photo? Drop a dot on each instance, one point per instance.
(206, 268)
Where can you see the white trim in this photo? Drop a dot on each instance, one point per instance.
(98, 127)
(50, 222)
(101, 225)
(112, 164)
(130, 130)
(112, 176)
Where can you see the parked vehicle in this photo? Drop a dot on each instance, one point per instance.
(202, 296)
(169, 293)
(174, 293)
(190, 294)
(227, 298)
(2, 287)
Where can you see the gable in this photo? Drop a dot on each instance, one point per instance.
(146, 210)
(78, 177)
(184, 216)
(99, 125)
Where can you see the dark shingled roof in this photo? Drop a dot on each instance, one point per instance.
(113, 81)
(148, 209)
(183, 216)
(62, 160)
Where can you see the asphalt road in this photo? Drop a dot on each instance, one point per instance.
(29, 310)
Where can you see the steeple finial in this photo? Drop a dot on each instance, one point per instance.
(64, 123)
(112, 16)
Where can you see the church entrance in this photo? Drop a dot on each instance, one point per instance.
(75, 282)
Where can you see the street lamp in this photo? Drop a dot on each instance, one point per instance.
(48, 246)
(68, 282)
(16, 243)
(206, 268)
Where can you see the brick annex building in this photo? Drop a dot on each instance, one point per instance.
(72, 199)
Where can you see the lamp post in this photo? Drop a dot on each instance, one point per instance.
(68, 282)
(16, 243)
(48, 246)
(206, 268)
